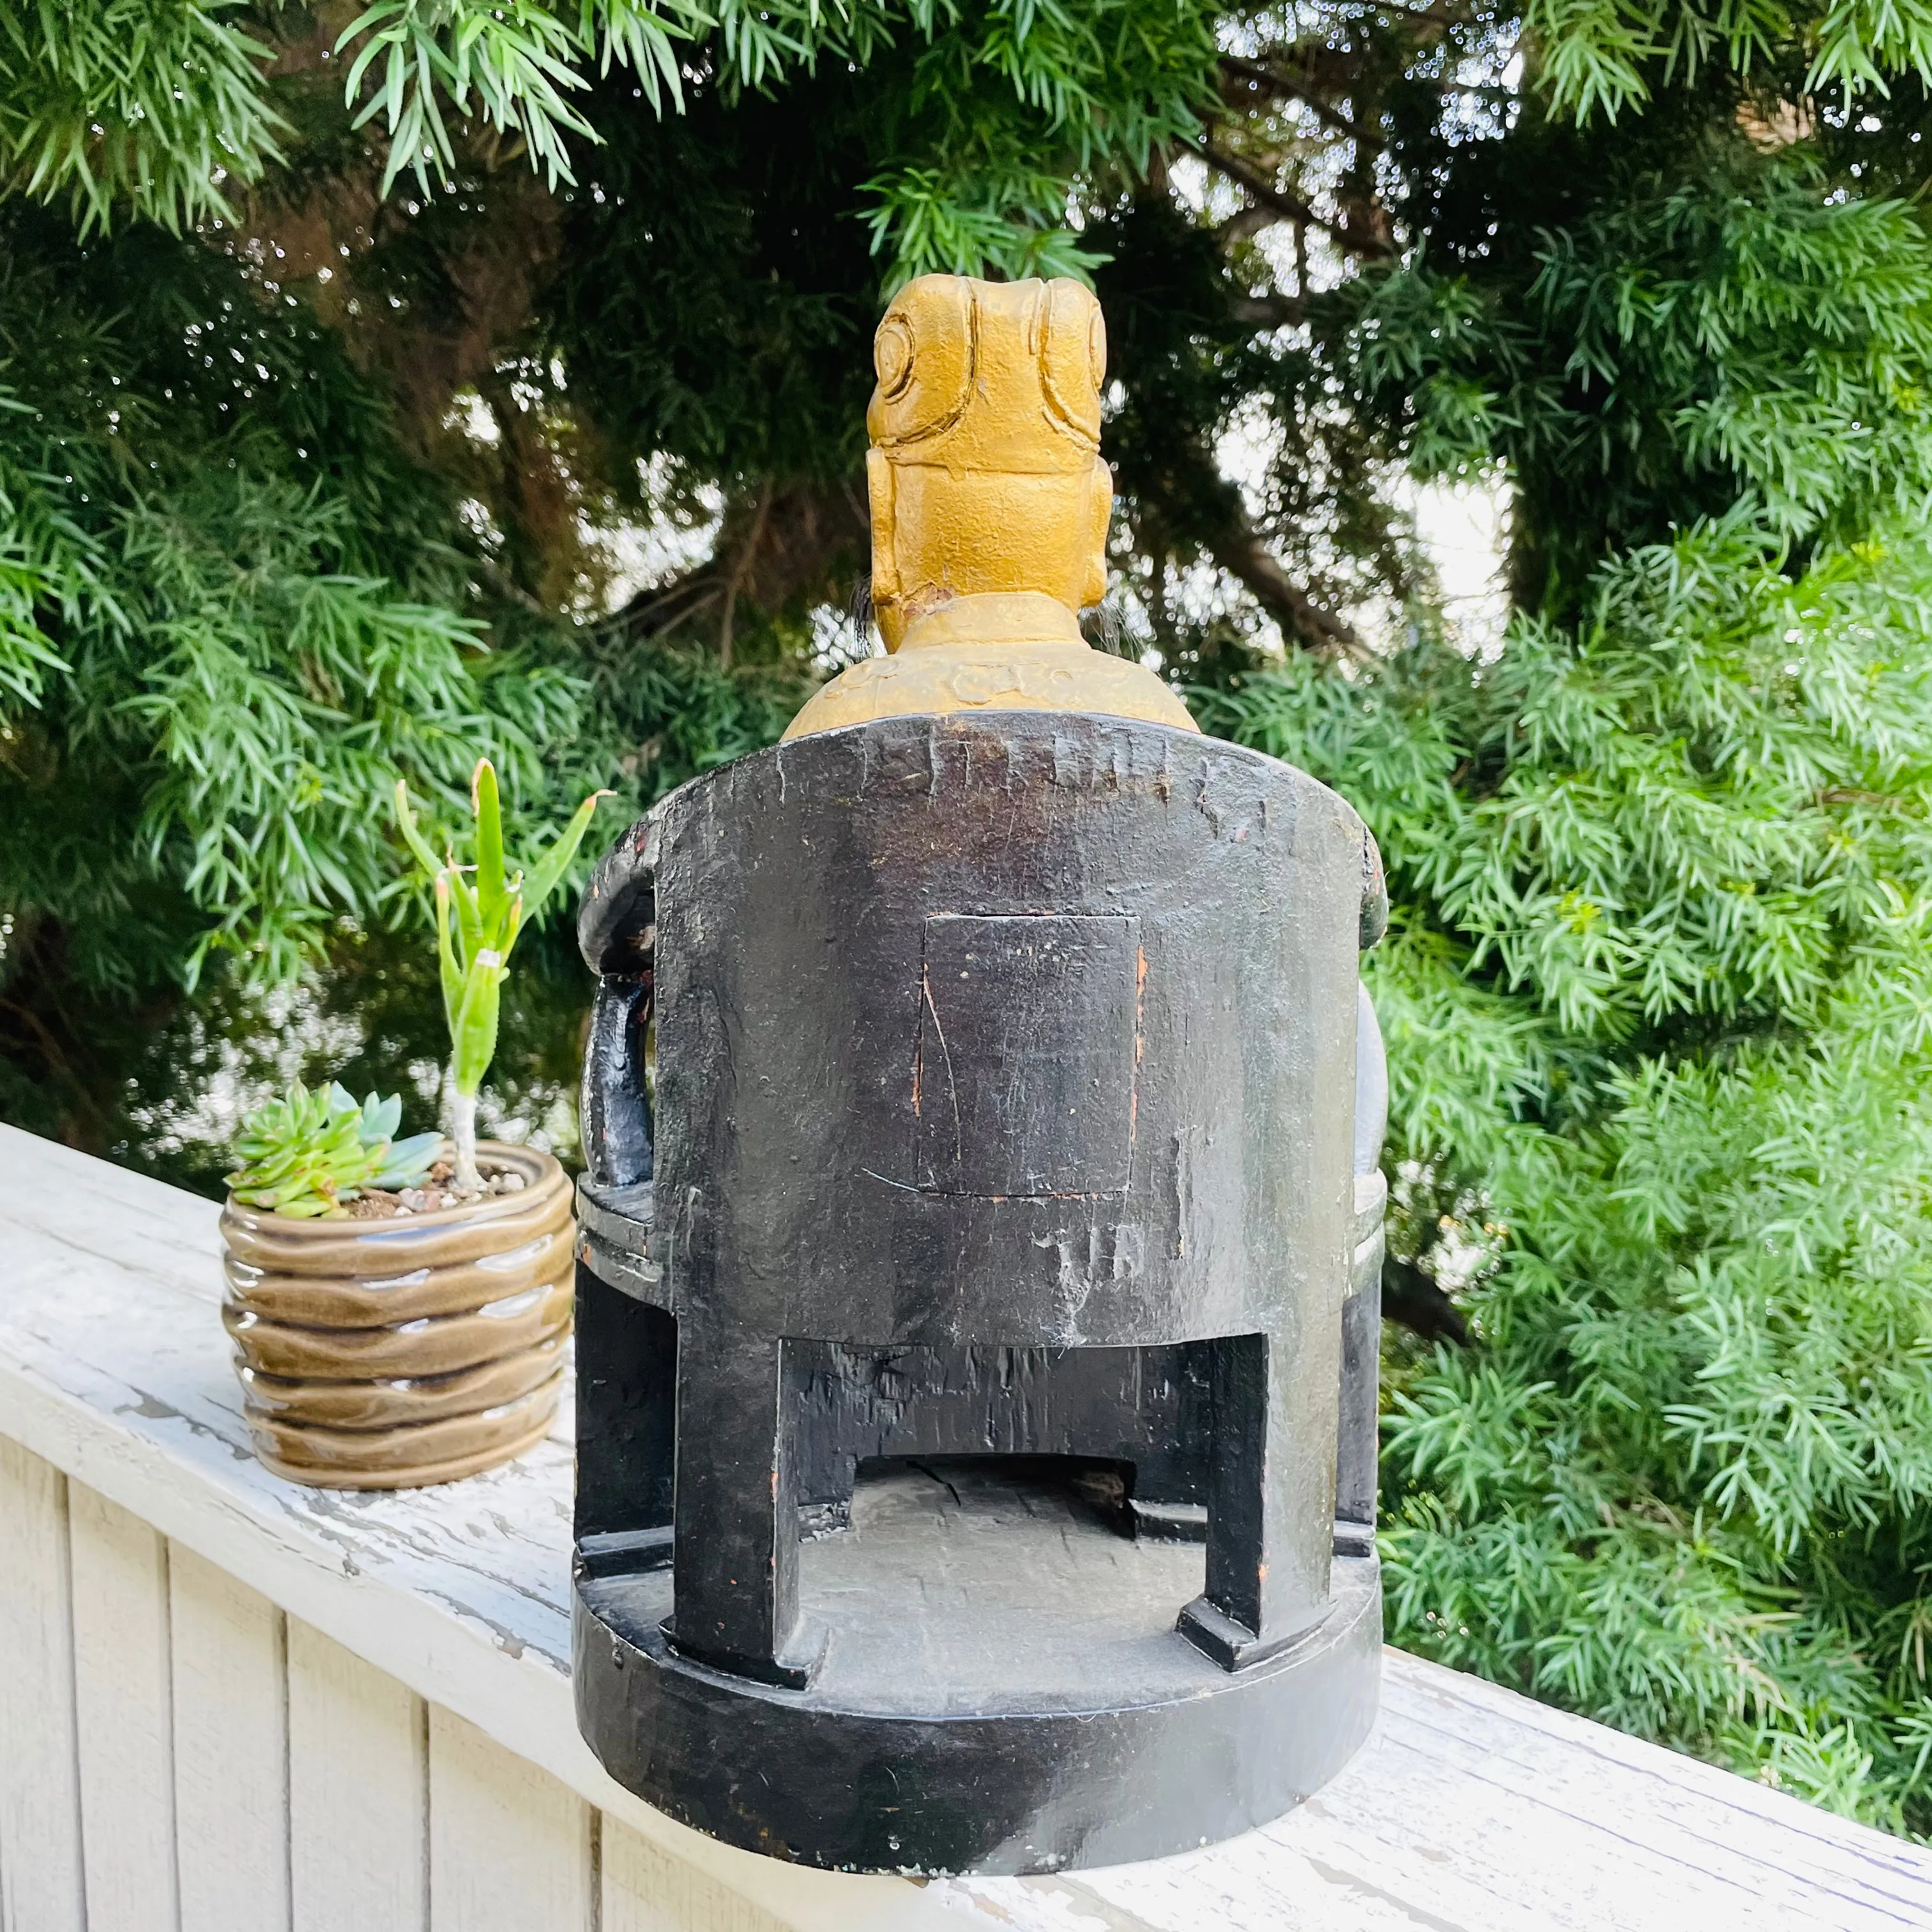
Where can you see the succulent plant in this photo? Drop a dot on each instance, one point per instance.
(308, 1154)
(491, 908)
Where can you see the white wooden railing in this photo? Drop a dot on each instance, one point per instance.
(229, 1705)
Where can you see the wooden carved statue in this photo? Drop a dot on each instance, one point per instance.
(977, 1340)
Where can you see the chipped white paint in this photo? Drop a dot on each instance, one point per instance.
(433, 1773)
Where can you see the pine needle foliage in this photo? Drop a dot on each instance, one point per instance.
(132, 107)
(1660, 1020)
(1656, 994)
(220, 654)
(1016, 97)
(1740, 337)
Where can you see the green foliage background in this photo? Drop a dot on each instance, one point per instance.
(1659, 1021)
(342, 351)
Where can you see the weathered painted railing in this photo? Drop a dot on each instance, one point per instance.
(228, 1705)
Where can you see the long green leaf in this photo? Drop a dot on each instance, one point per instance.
(489, 811)
(473, 1034)
(551, 868)
(451, 972)
(418, 844)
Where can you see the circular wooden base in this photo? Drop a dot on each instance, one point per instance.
(1000, 1688)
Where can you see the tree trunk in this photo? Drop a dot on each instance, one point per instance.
(780, 544)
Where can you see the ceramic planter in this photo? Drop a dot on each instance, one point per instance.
(388, 1354)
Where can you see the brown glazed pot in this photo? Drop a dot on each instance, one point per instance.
(391, 1355)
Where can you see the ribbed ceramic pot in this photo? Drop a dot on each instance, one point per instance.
(388, 1354)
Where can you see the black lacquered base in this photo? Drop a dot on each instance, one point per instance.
(1001, 1689)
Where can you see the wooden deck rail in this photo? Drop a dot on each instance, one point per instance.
(228, 1705)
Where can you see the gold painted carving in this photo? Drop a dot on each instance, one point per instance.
(989, 502)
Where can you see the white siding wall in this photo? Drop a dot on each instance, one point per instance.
(177, 1755)
(41, 1886)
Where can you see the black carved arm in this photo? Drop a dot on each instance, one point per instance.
(617, 931)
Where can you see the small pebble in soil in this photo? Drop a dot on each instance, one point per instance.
(379, 1205)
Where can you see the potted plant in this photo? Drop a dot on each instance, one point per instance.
(399, 1308)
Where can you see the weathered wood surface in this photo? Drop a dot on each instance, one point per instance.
(415, 1648)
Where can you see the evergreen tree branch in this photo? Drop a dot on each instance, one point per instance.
(131, 107)
(1241, 552)
(1266, 193)
(1272, 310)
(780, 545)
(1244, 82)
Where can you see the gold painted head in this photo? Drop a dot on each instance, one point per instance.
(985, 472)
(989, 514)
